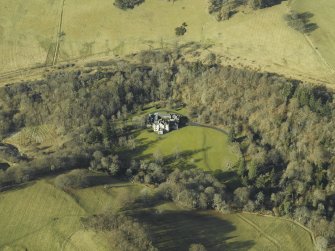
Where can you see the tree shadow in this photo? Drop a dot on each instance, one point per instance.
(177, 230)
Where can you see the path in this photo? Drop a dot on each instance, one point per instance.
(58, 35)
(191, 123)
(310, 42)
(252, 224)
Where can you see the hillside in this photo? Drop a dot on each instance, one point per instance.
(173, 125)
(71, 30)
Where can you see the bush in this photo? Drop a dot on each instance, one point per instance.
(181, 30)
(197, 247)
(74, 179)
(127, 4)
(300, 22)
(130, 235)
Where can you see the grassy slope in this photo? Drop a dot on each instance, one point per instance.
(259, 39)
(27, 30)
(41, 217)
(174, 229)
(324, 37)
(197, 146)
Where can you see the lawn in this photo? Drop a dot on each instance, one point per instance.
(191, 146)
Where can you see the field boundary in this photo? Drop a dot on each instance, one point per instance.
(310, 232)
(271, 239)
(310, 42)
(58, 35)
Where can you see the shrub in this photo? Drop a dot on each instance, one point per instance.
(74, 179)
(181, 30)
(300, 21)
(127, 4)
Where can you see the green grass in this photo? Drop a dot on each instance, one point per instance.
(175, 229)
(192, 146)
(42, 217)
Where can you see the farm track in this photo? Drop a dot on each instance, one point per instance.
(310, 42)
(258, 229)
(58, 35)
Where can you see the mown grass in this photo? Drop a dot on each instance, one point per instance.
(191, 146)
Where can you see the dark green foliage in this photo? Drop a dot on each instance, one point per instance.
(260, 4)
(301, 21)
(318, 99)
(215, 5)
(127, 4)
(194, 189)
(128, 234)
(73, 179)
(181, 30)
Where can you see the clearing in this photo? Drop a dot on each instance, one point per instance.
(190, 146)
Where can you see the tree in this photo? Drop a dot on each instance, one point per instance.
(321, 243)
(197, 247)
(127, 4)
(181, 30)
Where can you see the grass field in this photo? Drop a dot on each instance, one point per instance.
(27, 32)
(260, 39)
(175, 229)
(42, 217)
(193, 146)
(324, 37)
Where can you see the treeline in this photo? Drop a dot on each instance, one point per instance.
(225, 9)
(124, 232)
(127, 4)
(287, 134)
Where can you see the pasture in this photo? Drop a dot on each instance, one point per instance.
(36, 33)
(175, 229)
(323, 38)
(39, 216)
(42, 217)
(191, 146)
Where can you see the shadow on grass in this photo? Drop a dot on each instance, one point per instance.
(183, 160)
(177, 230)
